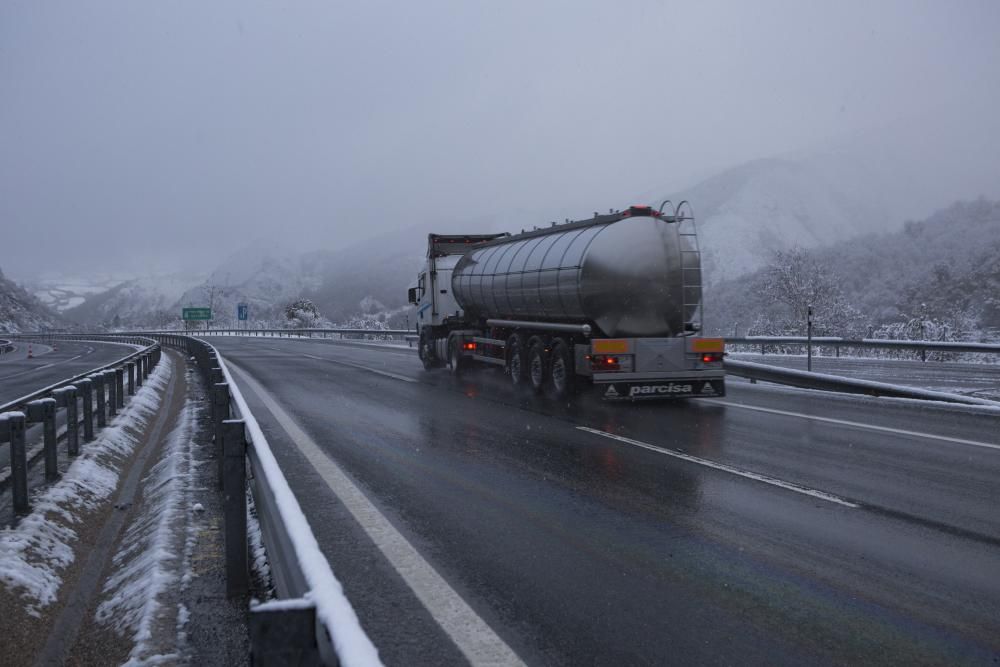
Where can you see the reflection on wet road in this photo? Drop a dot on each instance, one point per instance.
(734, 531)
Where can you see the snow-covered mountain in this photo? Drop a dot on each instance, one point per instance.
(872, 181)
(267, 279)
(139, 302)
(747, 212)
(60, 292)
(21, 311)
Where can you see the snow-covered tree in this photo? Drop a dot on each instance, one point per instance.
(303, 314)
(796, 279)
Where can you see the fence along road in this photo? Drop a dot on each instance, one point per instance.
(691, 532)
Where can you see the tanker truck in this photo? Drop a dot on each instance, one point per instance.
(610, 304)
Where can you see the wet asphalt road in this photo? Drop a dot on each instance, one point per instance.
(20, 376)
(875, 539)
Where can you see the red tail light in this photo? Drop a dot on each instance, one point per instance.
(603, 362)
(469, 346)
(710, 357)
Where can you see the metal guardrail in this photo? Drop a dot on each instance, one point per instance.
(96, 394)
(921, 346)
(303, 333)
(310, 598)
(823, 382)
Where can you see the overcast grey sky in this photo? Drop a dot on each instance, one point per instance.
(322, 122)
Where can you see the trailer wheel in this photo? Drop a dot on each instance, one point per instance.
(538, 371)
(561, 371)
(516, 364)
(456, 362)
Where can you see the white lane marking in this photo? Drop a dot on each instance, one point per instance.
(38, 368)
(790, 486)
(471, 634)
(395, 376)
(845, 422)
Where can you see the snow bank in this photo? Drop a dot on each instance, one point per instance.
(149, 562)
(34, 553)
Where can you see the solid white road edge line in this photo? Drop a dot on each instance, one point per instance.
(822, 495)
(844, 422)
(471, 634)
(363, 368)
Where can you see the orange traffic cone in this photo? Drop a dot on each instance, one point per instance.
(30, 356)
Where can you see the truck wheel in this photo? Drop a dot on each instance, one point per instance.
(516, 365)
(425, 351)
(538, 371)
(561, 371)
(456, 362)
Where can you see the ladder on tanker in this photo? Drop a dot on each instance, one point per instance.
(690, 254)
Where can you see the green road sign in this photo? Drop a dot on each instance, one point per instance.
(196, 313)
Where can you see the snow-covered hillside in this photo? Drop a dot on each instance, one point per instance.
(21, 311)
(148, 301)
(747, 212)
(60, 292)
(266, 279)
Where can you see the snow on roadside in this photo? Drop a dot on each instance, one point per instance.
(35, 552)
(141, 599)
(259, 565)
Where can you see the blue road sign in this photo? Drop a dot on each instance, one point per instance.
(242, 311)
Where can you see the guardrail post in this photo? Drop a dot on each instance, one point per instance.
(284, 636)
(923, 354)
(86, 387)
(131, 377)
(44, 410)
(18, 461)
(109, 379)
(120, 386)
(234, 502)
(66, 398)
(220, 413)
(102, 415)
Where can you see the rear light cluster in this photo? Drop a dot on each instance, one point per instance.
(711, 357)
(469, 346)
(609, 362)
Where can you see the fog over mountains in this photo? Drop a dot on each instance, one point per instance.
(744, 214)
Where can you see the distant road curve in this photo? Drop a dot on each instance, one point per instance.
(20, 376)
